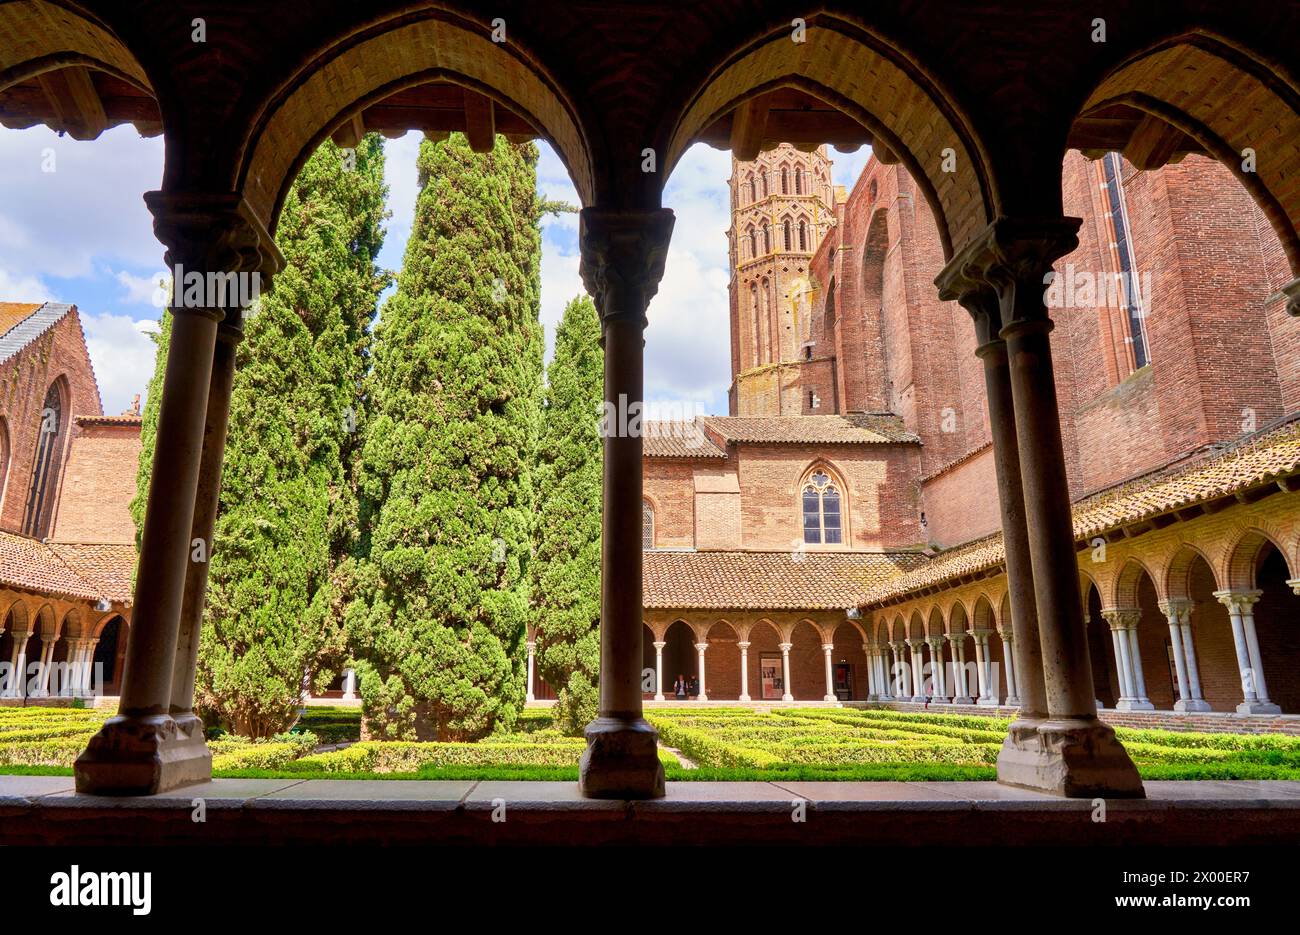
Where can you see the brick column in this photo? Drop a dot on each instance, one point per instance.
(141, 751)
(1070, 752)
(623, 256)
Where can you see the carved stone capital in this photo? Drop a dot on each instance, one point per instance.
(623, 255)
(1292, 292)
(210, 235)
(1010, 255)
(1176, 609)
(1121, 618)
(1238, 602)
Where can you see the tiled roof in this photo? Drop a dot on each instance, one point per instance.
(1260, 459)
(106, 568)
(11, 313)
(853, 429)
(123, 419)
(68, 570)
(677, 440)
(28, 328)
(766, 580)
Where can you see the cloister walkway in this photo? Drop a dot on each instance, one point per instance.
(46, 809)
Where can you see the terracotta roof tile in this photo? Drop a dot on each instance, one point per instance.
(105, 568)
(67, 569)
(11, 313)
(1219, 472)
(678, 440)
(22, 331)
(766, 580)
(124, 419)
(853, 429)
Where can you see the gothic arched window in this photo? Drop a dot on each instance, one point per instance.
(753, 244)
(45, 466)
(763, 178)
(647, 525)
(4, 456)
(822, 510)
(803, 236)
(798, 181)
(786, 225)
(785, 181)
(767, 238)
(753, 189)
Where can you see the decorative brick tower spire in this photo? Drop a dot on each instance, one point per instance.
(781, 207)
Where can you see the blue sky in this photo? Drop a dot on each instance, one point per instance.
(73, 228)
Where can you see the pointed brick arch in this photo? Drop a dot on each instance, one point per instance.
(363, 68)
(1125, 586)
(865, 77)
(1228, 100)
(1241, 560)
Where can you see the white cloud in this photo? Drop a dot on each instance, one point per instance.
(122, 354)
(21, 288)
(56, 223)
(143, 290)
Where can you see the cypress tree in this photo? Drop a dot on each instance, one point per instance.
(446, 471)
(566, 569)
(287, 515)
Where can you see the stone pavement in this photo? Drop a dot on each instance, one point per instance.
(45, 809)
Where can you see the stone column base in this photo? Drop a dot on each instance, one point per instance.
(963, 699)
(1258, 707)
(918, 699)
(621, 760)
(832, 698)
(1012, 701)
(1192, 704)
(1133, 704)
(988, 702)
(143, 756)
(1075, 758)
(744, 698)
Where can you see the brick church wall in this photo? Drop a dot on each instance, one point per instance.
(952, 515)
(24, 380)
(99, 484)
(881, 487)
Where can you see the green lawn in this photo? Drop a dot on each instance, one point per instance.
(720, 744)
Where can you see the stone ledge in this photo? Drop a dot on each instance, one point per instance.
(45, 810)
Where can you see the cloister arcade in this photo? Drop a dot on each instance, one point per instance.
(1195, 617)
(780, 657)
(979, 104)
(54, 648)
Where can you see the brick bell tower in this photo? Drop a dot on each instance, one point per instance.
(781, 207)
